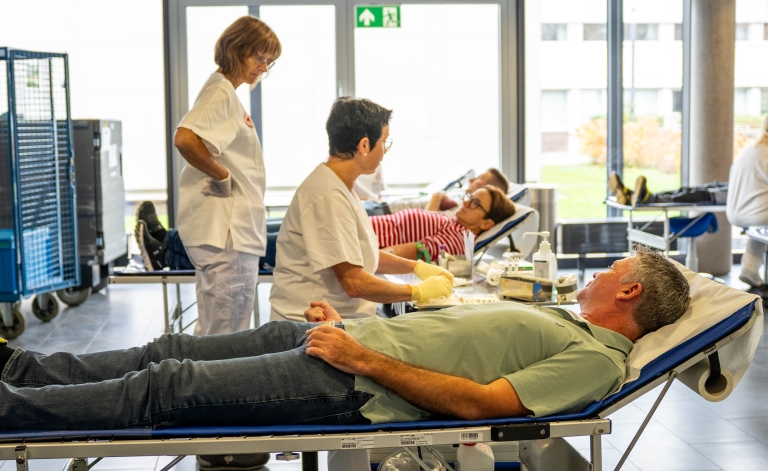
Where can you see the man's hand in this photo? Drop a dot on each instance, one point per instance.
(321, 312)
(218, 188)
(432, 287)
(425, 270)
(337, 348)
(436, 200)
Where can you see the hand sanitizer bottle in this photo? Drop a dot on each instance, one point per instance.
(544, 261)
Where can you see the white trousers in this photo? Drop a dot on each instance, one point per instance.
(753, 257)
(225, 281)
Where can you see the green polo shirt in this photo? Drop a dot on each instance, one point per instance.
(555, 362)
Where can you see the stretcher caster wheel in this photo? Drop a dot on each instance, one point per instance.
(45, 307)
(19, 324)
(73, 296)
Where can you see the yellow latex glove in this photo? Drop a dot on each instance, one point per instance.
(425, 270)
(432, 287)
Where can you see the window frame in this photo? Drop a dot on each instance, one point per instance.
(511, 155)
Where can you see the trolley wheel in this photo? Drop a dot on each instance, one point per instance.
(73, 296)
(47, 314)
(19, 323)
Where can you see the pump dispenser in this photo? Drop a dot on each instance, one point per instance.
(544, 261)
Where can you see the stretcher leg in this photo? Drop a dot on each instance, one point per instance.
(596, 452)
(672, 376)
(309, 461)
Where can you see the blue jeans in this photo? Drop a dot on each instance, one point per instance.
(253, 377)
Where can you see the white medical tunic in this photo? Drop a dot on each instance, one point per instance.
(220, 120)
(325, 225)
(748, 188)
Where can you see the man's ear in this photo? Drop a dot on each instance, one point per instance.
(364, 146)
(630, 292)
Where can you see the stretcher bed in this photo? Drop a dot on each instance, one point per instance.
(709, 348)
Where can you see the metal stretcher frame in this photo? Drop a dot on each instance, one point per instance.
(538, 434)
(659, 242)
(173, 314)
(760, 234)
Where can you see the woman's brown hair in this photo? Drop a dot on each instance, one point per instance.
(245, 37)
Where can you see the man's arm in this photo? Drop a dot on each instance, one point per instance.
(436, 392)
(434, 202)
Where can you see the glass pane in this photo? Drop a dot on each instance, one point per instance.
(298, 94)
(439, 72)
(204, 26)
(750, 103)
(115, 54)
(566, 103)
(653, 80)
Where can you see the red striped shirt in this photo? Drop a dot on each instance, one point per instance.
(416, 225)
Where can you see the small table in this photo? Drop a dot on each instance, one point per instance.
(660, 242)
(478, 286)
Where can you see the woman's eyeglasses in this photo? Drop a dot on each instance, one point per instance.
(387, 144)
(474, 203)
(264, 60)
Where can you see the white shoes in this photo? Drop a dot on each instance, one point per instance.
(751, 278)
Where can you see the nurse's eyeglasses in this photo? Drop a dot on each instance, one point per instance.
(474, 203)
(387, 144)
(264, 60)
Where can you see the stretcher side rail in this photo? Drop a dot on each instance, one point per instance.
(591, 421)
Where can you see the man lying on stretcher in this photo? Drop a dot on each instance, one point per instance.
(471, 362)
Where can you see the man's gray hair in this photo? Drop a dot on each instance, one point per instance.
(666, 293)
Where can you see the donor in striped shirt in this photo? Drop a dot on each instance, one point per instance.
(414, 233)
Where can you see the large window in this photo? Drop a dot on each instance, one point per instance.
(115, 53)
(566, 102)
(653, 78)
(439, 72)
(750, 103)
(294, 103)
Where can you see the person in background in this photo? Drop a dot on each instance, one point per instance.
(221, 213)
(441, 200)
(417, 234)
(710, 193)
(748, 202)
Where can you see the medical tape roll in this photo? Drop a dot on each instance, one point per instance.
(714, 390)
(493, 277)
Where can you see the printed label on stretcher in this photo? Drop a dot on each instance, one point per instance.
(350, 443)
(416, 439)
(471, 437)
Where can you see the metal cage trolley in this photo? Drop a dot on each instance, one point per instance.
(38, 215)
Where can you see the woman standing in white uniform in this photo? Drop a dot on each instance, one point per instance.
(748, 202)
(221, 217)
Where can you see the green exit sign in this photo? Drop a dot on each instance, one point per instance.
(379, 16)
